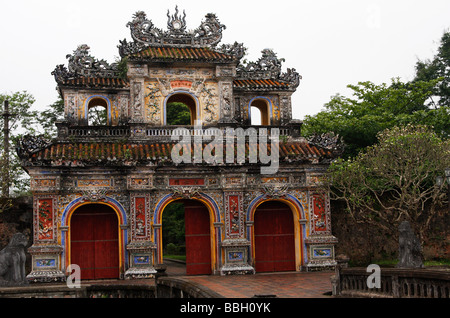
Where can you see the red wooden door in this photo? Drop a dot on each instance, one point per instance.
(274, 238)
(198, 239)
(95, 242)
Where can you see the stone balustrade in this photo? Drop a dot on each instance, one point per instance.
(138, 131)
(395, 283)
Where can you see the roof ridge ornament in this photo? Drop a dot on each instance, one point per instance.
(176, 24)
(268, 66)
(82, 64)
(145, 34)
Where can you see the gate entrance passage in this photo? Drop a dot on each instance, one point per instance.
(198, 238)
(197, 234)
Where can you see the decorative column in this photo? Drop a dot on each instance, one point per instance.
(321, 242)
(141, 246)
(235, 245)
(45, 251)
(225, 75)
(137, 74)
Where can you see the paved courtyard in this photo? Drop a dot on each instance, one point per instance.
(282, 285)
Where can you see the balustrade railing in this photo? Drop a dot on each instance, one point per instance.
(166, 132)
(98, 132)
(394, 282)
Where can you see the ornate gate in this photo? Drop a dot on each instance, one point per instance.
(95, 242)
(274, 238)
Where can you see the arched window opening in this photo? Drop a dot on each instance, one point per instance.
(98, 112)
(256, 116)
(260, 108)
(181, 109)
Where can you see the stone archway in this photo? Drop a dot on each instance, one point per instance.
(210, 213)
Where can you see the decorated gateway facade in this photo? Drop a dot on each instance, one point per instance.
(100, 191)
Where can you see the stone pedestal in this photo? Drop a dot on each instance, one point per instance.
(46, 265)
(236, 257)
(320, 251)
(141, 260)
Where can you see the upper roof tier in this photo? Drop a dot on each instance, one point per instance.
(153, 45)
(202, 42)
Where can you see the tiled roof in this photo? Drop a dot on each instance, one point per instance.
(259, 84)
(96, 82)
(97, 152)
(183, 54)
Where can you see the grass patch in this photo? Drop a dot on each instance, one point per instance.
(177, 257)
(393, 263)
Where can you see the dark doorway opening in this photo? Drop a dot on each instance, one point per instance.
(186, 232)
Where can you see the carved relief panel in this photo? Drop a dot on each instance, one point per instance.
(140, 216)
(320, 213)
(45, 208)
(137, 101)
(234, 220)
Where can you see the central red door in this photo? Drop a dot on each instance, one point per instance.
(274, 238)
(94, 241)
(198, 238)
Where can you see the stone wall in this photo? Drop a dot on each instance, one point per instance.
(364, 244)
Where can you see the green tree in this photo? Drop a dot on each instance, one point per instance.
(437, 68)
(394, 180)
(23, 121)
(49, 117)
(374, 108)
(98, 116)
(178, 114)
(173, 225)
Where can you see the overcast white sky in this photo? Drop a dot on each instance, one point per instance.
(331, 43)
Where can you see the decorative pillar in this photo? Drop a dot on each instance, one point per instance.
(141, 246)
(235, 245)
(225, 75)
(321, 242)
(45, 251)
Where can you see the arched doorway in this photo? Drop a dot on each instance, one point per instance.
(274, 237)
(197, 234)
(181, 109)
(94, 241)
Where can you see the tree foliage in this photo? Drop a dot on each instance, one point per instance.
(97, 116)
(23, 120)
(49, 117)
(178, 114)
(173, 229)
(374, 108)
(394, 180)
(435, 68)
